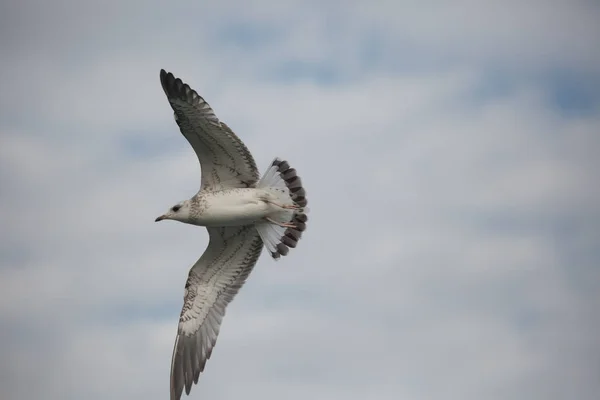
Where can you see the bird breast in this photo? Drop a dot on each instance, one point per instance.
(234, 207)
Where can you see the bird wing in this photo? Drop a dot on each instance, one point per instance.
(224, 159)
(212, 283)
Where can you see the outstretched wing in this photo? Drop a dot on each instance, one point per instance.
(212, 283)
(225, 161)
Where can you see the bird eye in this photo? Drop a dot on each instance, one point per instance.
(176, 208)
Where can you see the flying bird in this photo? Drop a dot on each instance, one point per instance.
(242, 212)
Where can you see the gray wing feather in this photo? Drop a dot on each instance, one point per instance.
(225, 160)
(212, 284)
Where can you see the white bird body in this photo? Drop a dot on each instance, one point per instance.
(235, 207)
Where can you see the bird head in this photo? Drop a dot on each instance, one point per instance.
(179, 212)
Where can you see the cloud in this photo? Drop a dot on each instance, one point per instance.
(452, 242)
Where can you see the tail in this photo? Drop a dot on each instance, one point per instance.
(282, 181)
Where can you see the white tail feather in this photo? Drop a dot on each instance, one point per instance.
(272, 178)
(271, 235)
(282, 182)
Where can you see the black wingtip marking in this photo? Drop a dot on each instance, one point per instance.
(164, 76)
(176, 88)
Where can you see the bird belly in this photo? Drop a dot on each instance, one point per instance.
(235, 207)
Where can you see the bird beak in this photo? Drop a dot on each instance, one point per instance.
(160, 218)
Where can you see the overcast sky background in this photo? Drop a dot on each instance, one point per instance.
(449, 151)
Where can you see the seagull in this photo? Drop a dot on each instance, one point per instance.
(241, 211)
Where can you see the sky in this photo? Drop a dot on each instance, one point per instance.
(448, 149)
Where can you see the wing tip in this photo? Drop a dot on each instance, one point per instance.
(176, 388)
(175, 88)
